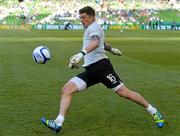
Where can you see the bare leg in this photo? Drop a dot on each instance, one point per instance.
(67, 91)
(134, 96)
(66, 95)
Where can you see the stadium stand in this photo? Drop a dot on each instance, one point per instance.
(151, 13)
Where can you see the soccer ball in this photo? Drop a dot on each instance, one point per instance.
(41, 54)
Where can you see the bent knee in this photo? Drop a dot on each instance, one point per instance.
(65, 91)
(123, 92)
(69, 89)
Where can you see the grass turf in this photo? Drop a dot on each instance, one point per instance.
(29, 91)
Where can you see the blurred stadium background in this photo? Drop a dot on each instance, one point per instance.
(112, 14)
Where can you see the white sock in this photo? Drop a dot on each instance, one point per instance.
(59, 120)
(151, 109)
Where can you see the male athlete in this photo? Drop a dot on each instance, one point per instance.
(98, 69)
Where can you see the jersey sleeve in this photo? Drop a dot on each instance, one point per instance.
(94, 31)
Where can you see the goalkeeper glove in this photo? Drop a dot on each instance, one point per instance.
(116, 51)
(75, 59)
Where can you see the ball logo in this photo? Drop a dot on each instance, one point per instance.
(37, 55)
(111, 78)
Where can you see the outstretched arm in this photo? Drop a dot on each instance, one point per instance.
(114, 51)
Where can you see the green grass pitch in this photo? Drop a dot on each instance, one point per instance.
(29, 91)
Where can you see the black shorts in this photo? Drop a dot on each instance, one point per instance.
(100, 72)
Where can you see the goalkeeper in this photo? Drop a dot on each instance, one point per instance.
(98, 69)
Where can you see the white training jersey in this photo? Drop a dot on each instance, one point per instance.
(99, 52)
